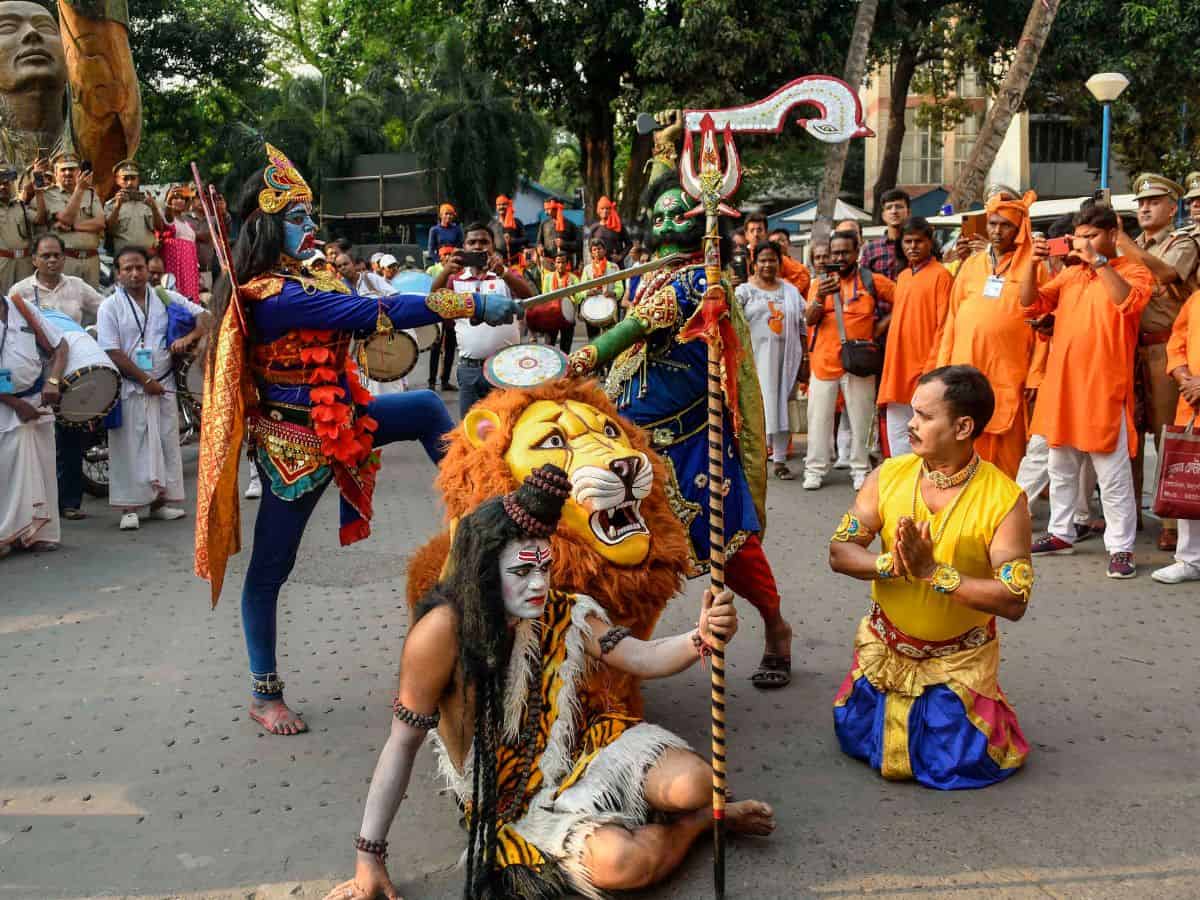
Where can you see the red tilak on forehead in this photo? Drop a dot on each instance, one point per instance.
(537, 556)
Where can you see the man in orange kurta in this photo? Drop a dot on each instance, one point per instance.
(1085, 404)
(986, 326)
(858, 295)
(1183, 364)
(921, 305)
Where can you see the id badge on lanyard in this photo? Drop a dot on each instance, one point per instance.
(993, 287)
(143, 358)
(6, 382)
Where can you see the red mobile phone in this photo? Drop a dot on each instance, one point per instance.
(1060, 246)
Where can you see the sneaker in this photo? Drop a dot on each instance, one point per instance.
(1176, 573)
(254, 488)
(129, 522)
(1052, 546)
(167, 513)
(1121, 565)
(812, 482)
(858, 481)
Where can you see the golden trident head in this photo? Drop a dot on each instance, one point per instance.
(284, 183)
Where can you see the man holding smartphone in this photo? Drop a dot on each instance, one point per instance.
(74, 213)
(1172, 257)
(478, 267)
(132, 215)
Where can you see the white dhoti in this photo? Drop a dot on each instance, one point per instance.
(144, 462)
(29, 498)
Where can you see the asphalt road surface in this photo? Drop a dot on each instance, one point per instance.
(128, 765)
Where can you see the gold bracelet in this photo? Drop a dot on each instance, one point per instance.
(885, 566)
(945, 579)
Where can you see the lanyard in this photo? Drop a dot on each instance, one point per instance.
(996, 263)
(141, 322)
(8, 311)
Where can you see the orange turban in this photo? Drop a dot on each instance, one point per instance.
(509, 218)
(446, 208)
(554, 209)
(444, 251)
(610, 219)
(1017, 212)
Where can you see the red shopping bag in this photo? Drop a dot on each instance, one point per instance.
(1178, 494)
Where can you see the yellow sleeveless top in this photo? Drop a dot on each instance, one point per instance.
(914, 606)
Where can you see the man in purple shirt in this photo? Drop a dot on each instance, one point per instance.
(882, 255)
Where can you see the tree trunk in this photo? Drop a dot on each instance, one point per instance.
(903, 70)
(968, 187)
(596, 147)
(634, 180)
(835, 158)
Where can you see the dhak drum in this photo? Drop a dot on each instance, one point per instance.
(551, 318)
(91, 383)
(189, 378)
(525, 365)
(599, 311)
(388, 356)
(425, 335)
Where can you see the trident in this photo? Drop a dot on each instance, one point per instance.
(840, 119)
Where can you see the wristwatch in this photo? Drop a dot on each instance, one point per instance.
(1101, 261)
(54, 382)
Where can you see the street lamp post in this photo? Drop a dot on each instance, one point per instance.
(1106, 87)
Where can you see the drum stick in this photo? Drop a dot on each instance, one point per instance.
(216, 228)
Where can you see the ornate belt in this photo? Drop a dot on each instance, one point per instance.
(919, 648)
(679, 427)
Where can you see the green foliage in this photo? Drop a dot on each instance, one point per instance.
(1156, 44)
(478, 134)
(562, 171)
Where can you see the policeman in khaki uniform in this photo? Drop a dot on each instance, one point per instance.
(1192, 200)
(75, 214)
(132, 215)
(1172, 256)
(16, 228)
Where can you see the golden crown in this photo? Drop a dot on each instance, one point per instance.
(284, 184)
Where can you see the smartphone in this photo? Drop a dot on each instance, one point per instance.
(974, 225)
(1060, 246)
(1104, 195)
(740, 266)
(475, 259)
(85, 166)
(135, 195)
(39, 180)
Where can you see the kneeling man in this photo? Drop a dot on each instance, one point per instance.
(922, 700)
(561, 794)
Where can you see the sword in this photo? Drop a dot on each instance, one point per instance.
(620, 275)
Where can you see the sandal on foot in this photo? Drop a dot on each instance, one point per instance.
(774, 671)
(783, 473)
(74, 515)
(272, 718)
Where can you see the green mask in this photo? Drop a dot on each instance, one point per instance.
(673, 233)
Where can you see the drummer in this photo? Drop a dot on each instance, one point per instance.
(599, 266)
(477, 342)
(560, 276)
(48, 288)
(29, 500)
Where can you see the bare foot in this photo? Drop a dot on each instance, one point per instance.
(276, 717)
(750, 817)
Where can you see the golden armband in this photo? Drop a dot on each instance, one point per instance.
(1017, 576)
(852, 531)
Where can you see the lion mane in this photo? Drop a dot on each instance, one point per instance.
(633, 596)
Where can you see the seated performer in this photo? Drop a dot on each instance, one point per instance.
(922, 700)
(497, 660)
(309, 419)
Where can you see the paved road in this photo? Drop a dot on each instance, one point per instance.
(128, 766)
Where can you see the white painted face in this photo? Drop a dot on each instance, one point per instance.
(525, 577)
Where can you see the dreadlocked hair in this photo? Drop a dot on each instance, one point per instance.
(472, 589)
(257, 250)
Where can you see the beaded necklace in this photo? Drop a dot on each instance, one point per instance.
(962, 477)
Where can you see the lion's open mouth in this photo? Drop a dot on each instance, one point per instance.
(615, 524)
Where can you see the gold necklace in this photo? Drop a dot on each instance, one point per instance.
(944, 482)
(965, 480)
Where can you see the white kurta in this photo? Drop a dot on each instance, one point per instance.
(776, 320)
(144, 462)
(28, 486)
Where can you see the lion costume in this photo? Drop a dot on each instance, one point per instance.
(618, 540)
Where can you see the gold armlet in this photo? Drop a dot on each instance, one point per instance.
(885, 566)
(451, 304)
(1017, 576)
(659, 310)
(945, 579)
(852, 531)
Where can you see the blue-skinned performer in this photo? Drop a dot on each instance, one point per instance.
(658, 378)
(280, 376)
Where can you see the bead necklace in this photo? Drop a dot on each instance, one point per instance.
(962, 477)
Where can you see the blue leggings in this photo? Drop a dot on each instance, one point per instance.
(411, 416)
